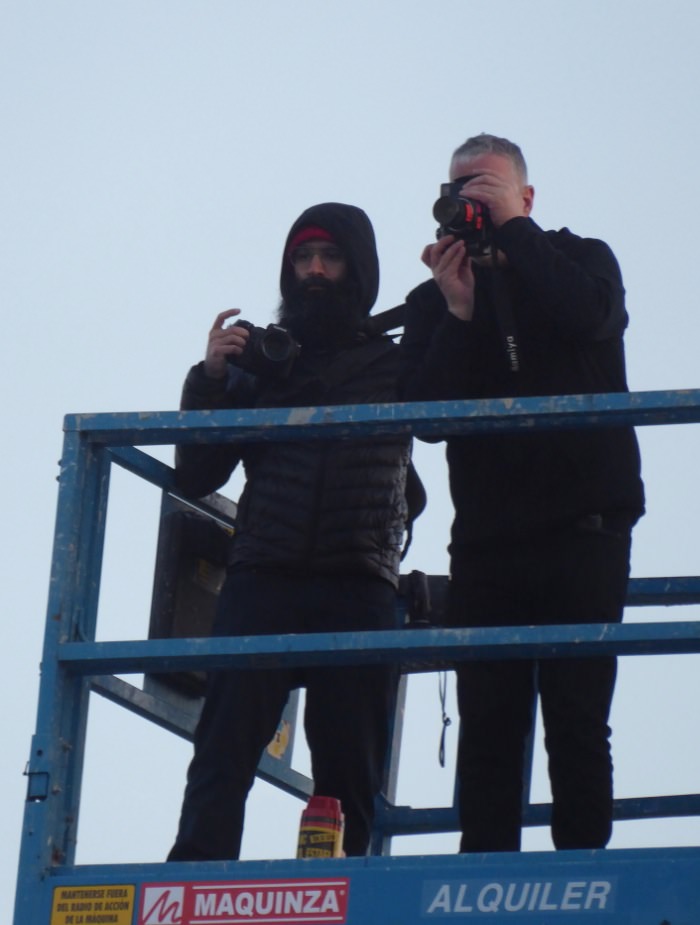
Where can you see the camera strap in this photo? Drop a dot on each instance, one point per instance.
(385, 321)
(505, 317)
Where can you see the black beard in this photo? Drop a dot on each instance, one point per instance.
(322, 314)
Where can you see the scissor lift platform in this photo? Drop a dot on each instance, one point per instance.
(634, 887)
(645, 886)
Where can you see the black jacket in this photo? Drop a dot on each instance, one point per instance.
(315, 506)
(568, 316)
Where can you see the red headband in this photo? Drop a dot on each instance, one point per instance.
(310, 233)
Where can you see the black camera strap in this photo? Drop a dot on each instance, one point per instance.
(505, 317)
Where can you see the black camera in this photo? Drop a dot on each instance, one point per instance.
(270, 351)
(467, 219)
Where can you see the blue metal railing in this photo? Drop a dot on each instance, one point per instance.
(73, 660)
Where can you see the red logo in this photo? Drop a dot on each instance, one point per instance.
(253, 901)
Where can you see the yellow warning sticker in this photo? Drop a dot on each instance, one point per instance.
(93, 905)
(280, 740)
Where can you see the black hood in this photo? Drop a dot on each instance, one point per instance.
(354, 235)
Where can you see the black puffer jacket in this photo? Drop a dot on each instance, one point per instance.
(315, 506)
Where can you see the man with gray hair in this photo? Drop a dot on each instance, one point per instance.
(543, 520)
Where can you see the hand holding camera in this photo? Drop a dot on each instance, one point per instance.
(269, 351)
(451, 266)
(465, 231)
(224, 342)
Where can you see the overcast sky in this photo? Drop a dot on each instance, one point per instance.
(154, 155)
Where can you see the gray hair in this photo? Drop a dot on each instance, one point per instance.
(491, 144)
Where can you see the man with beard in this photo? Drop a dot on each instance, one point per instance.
(318, 539)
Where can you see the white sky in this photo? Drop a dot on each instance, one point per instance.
(155, 154)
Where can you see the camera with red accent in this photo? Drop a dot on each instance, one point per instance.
(467, 219)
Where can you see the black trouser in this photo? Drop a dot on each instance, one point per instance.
(576, 575)
(347, 714)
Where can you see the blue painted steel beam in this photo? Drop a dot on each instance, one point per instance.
(415, 650)
(441, 820)
(55, 764)
(665, 592)
(496, 415)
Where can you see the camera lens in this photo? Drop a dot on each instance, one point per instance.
(459, 214)
(276, 345)
(447, 211)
